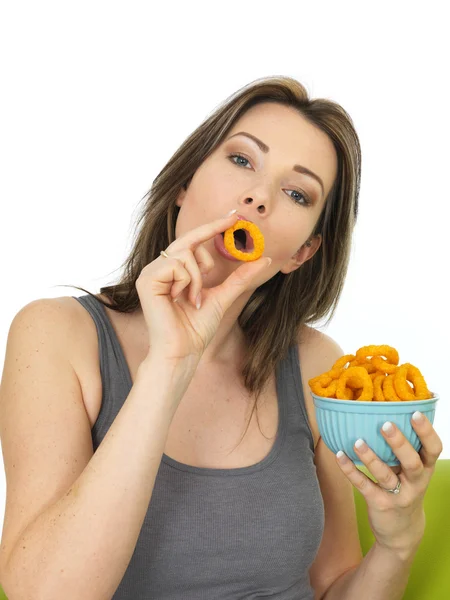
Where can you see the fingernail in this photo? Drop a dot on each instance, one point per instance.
(418, 417)
(341, 456)
(361, 445)
(388, 428)
(269, 261)
(231, 213)
(198, 301)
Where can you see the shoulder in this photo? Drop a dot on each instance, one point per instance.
(57, 321)
(47, 315)
(317, 352)
(317, 347)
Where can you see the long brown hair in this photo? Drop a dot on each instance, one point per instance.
(274, 315)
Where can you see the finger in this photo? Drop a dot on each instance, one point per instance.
(204, 259)
(412, 465)
(170, 272)
(360, 480)
(431, 442)
(192, 277)
(239, 281)
(201, 234)
(384, 474)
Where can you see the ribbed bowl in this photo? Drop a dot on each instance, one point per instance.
(342, 422)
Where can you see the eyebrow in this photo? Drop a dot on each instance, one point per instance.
(298, 168)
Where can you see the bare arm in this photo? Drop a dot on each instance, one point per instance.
(81, 545)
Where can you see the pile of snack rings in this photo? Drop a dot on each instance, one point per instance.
(373, 373)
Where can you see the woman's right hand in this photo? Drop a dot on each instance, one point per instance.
(177, 329)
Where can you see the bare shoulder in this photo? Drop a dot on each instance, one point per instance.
(56, 317)
(317, 352)
(67, 324)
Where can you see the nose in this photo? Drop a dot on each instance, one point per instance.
(258, 205)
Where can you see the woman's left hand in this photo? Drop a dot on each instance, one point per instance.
(397, 520)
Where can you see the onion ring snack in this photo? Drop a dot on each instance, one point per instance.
(361, 379)
(377, 352)
(409, 372)
(256, 235)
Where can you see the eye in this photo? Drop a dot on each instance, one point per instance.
(306, 199)
(232, 156)
(300, 195)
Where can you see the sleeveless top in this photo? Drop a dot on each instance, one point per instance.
(222, 534)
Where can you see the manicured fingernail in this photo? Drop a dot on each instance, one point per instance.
(231, 213)
(388, 428)
(341, 456)
(361, 445)
(418, 417)
(198, 301)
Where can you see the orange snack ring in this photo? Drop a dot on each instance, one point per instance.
(339, 365)
(348, 393)
(324, 380)
(369, 367)
(357, 395)
(323, 389)
(257, 237)
(408, 372)
(365, 383)
(341, 362)
(354, 383)
(375, 374)
(389, 352)
(335, 373)
(382, 365)
(378, 394)
(390, 394)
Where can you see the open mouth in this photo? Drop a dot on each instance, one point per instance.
(242, 240)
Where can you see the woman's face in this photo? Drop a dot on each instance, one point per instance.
(263, 185)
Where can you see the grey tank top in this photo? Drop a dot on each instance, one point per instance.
(222, 534)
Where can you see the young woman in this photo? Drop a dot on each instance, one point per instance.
(159, 438)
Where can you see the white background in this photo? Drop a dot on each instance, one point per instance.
(97, 96)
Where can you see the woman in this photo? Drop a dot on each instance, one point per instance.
(137, 466)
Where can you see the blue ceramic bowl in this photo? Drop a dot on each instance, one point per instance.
(342, 422)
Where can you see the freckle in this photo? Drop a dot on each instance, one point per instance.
(23, 547)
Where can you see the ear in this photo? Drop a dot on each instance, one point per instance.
(181, 195)
(302, 255)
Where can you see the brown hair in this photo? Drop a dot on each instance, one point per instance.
(277, 310)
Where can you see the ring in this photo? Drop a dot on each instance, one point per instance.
(163, 253)
(396, 490)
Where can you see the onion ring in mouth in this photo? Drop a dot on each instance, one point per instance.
(256, 235)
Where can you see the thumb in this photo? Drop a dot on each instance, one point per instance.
(239, 281)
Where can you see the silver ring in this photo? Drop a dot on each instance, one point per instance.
(396, 490)
(163, 253)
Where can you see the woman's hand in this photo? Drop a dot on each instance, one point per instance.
(397, 520)
(178, 329)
